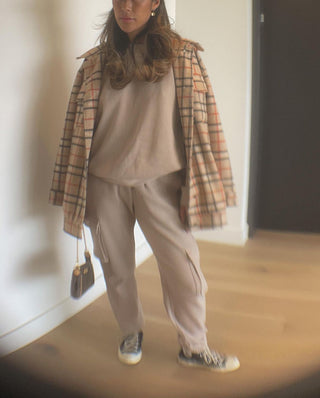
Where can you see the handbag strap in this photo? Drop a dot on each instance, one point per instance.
(84, 238)
(85, 245)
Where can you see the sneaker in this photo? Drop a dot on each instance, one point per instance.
(130, 351)
(210, 360)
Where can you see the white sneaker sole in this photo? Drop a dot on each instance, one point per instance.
(129, 359)
(231, 368)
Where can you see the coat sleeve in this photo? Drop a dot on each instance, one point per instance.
(62, 159)
(217, 139)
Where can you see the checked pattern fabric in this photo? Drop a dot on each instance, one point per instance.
(208, 188)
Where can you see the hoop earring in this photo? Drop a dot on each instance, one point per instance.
(153, 13)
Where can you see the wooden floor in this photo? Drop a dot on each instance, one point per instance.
(263, 305)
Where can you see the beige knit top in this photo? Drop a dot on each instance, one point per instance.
(138, 135)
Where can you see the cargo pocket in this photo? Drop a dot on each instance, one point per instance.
(201, 286)
(99, 246)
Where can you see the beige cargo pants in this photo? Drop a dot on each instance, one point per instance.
(111, 213)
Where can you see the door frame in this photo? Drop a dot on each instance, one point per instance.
(256, 119)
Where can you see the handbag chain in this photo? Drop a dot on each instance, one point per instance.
(85, 245)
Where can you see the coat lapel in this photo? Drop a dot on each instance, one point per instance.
(182, 68)
(94, 71)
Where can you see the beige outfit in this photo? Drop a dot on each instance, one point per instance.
(111, 214)
(136, 171)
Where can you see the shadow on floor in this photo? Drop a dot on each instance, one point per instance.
(307, 388)
(16, 383)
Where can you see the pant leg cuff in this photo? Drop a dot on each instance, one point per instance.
(192, 348)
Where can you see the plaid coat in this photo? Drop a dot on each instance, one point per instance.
(208, 188)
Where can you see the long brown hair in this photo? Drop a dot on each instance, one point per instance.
(159, 49)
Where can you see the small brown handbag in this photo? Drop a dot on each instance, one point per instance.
(83, 274)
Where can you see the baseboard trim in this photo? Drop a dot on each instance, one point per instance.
(227, 235)
(55, 316)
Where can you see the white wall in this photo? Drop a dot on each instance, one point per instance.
(39, 41)
(223, 27)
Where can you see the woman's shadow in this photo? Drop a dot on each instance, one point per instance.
(43, 131)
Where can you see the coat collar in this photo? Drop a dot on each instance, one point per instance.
(92, 51)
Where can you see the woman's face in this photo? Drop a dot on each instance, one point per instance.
(133, 15)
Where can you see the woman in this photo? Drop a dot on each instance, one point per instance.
(143, 141)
